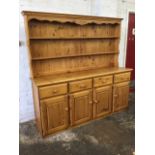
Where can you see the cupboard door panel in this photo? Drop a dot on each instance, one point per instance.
(81, 107)
(102, 101)
(120, 96)
(55, 115)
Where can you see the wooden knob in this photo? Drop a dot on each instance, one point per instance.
(66, 109)
(116, 95)
(90, 102)
(95, 101)
(103, 81)
(54, 91)
(83, 86)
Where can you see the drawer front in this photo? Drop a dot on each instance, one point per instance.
(122, 77)
(80, 85)
(103, 80)
(53, 90)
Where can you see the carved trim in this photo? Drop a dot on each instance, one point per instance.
(73, 21)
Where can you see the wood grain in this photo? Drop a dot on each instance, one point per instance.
(122, 77)
(81, 43)
(73, 62)
(80, 85)
(81, 107)
(55, 115)
(103, 80)
(53, 90)
(120, 97)
(74, 76)
(102, 101)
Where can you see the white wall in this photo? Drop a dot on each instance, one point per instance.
(111, 8)
(124, 7)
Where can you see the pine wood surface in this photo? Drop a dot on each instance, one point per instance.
(59, 43)
(81, 19)
(53, 90)
(55, 114)
(120, 97)
(73, 62)
(52, 79)
(81, 107)
(103, 101)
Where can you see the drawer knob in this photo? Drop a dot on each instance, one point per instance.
(55, 91)
(83, 86)
(103, 81)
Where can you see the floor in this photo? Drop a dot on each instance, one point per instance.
(113, 135)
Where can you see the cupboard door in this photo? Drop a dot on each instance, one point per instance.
(55, 115)
(102, 101)
(81, 107)
(120, 96)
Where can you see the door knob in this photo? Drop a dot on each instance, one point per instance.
(95, 101)
(116, 95)
(90, 102)
(66, 109)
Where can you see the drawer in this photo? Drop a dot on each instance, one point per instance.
(103, 80)
(53, 90)
(122, 77)
(80, 85)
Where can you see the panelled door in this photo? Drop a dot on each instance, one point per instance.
(120, 96)
(81, 107)
(102, 101)
(54, 113)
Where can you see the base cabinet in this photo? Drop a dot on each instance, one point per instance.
(102, 101)
(80, 107)
(64, 105)
(120, 96)
(55, 115)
